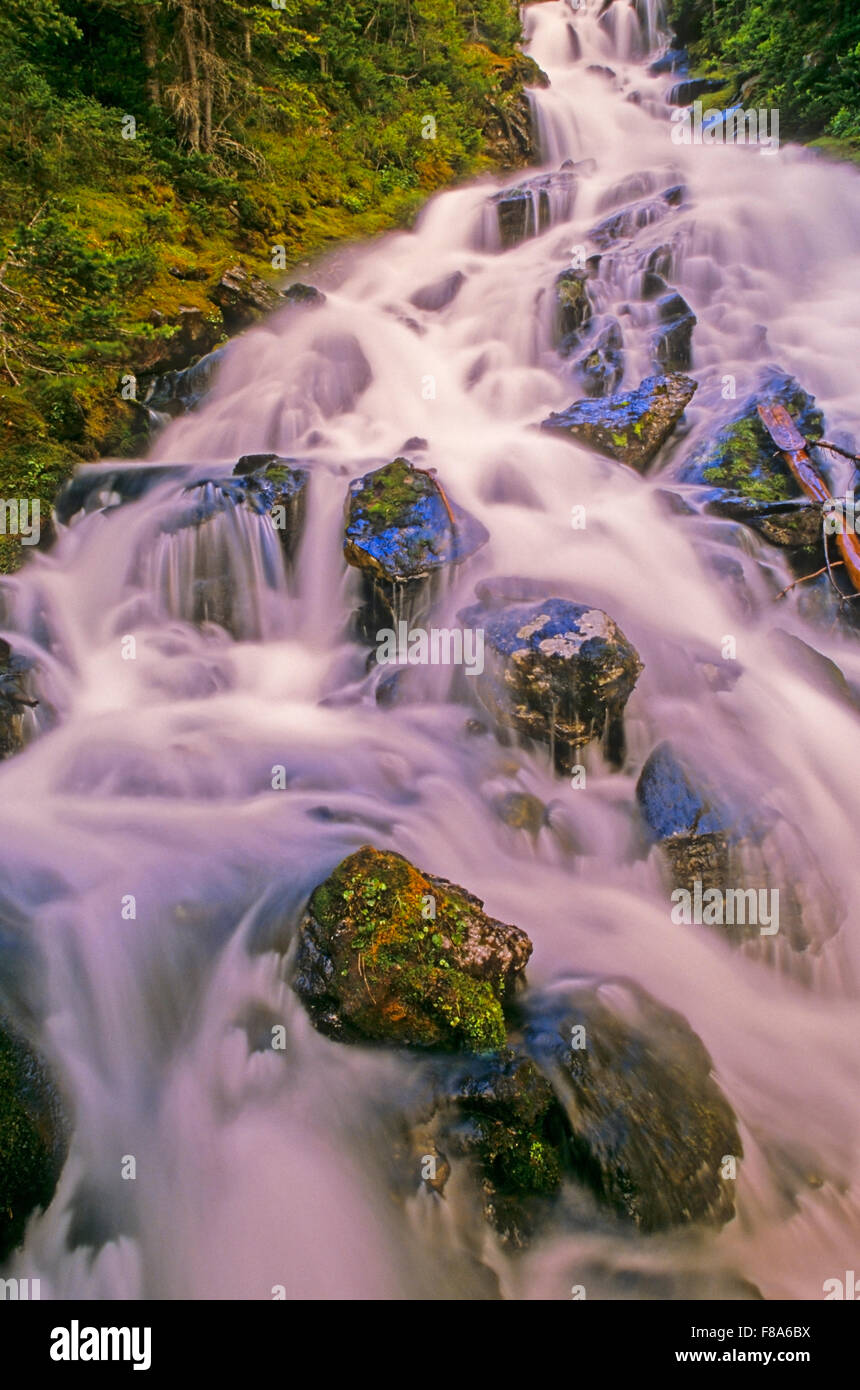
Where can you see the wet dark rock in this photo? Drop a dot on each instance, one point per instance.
(575, 45)
(626, 223)
(653, 286)
(740, 458)
(403, 532)
(98, 487)
(278, 487)
(713, 840)
(660, 262)
(509, 132)
(573, 309)
(174, 393)
(440, 294)
(630, 426)
(601, 70)
(245, 299)
(601, 369)
(530, 208)
(391, 954)
(686, 92)
(791, 524)
(33, 1138)
(555, 671)
(649, 1126)
(16, 698)
(415, 445)
(672, 344)
(500, 1115)
(673, 60)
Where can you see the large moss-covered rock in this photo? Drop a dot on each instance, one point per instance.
(556, 671)
(630, 426)
(32, 1138)
(402, 532)
(740, 458)
(389, 953)
(650, 1129)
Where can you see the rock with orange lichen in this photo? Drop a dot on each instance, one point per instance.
(391, 954)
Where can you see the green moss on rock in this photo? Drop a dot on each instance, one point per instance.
(374, 964)
(29, 1141)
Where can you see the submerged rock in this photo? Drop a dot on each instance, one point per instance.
(715, 844)
(650, 1129)
(440, 293)
(630, 220)
(15, 698)
(403, 532)
(389, 953)
(555, 671)
(32, 1138)
(630, 426)
(741, 459)
(530, 208)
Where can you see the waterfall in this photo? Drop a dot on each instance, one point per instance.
(152, 779)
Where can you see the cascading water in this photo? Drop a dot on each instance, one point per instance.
(151, 779)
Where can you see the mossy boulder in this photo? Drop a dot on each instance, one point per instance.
(555, 671)
(630, 426)
(391, 954)
(32, 1138)
(649, 1127)
(403, 531)
(15, 699)
(740, 459)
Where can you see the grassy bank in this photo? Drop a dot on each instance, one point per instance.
(147, 145)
